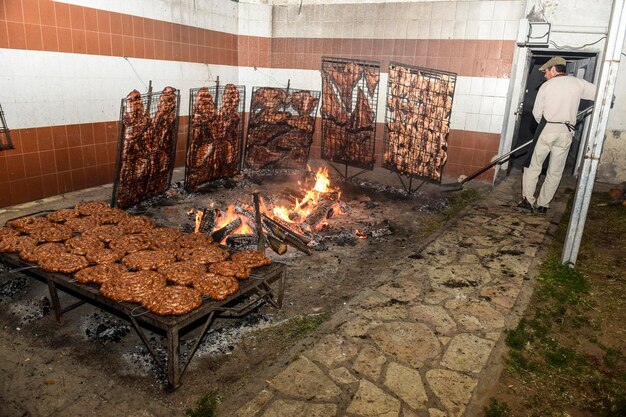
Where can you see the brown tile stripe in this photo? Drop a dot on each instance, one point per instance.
(472, 58)
(48, 26)
(51, 160)
(45, 25)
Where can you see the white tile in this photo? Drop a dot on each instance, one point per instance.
(510, 30)
(484, 29)
(495, 126)
(484, 123)
(425, 11)
(473, 103)
(489, 87)
(459, 29)
(447, 29)
(471, 122)
(435, 29)
(502, 87)
(463, 85)
(441, 10)
(486, 10)
(412, 30)
(473, 11)
(497, 29)
(476, 87)
(462, 11)
(499, 106)
(423, 29)
(457, 120)
(486, 105)
(471, 29)
(460, 102)
(508, 10)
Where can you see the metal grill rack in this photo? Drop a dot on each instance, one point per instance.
(349, 107)
(5, 134)
(146, 146)
(267, 284)
(417, 121)
(215, 134)
(281, 127)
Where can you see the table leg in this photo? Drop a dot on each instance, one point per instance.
(54, 297)
(173, 356)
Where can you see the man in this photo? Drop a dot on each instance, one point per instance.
(555, 110)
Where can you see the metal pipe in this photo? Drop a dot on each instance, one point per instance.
(599, 30)
(599, 121)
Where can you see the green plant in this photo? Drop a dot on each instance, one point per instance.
(206, 406)
(290, 331)
(497, 408)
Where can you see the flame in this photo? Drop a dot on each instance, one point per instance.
(360, 234)
(199, 215)
(322, 181)
(302, 208)
(226, 218)
(229, 216)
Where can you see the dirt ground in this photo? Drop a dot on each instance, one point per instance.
(571, 359)
(44, 367)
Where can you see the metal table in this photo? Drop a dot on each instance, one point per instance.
(257, 287)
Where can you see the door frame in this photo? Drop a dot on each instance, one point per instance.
(523, 59)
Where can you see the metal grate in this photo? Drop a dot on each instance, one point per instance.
(349, 106)
(215, 138)
(146, 146)
(281, 126)
(5, 134)
(417, 120)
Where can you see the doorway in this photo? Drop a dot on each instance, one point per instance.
(579, 64)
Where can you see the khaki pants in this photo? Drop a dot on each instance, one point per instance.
(557, 145)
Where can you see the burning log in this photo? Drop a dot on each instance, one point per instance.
(209, 217)
(277, 230)
(321, 212)
(222, 232)
(277, 245)
(242, 242)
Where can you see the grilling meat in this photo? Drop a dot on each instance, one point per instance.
(262, 134)
(303, 102)
(268, 97)
(172, 300)
(363, 116)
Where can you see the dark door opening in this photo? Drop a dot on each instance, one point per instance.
(579, 64)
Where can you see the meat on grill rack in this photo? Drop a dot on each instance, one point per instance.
(349, 125)
(214, 136)
(419, 104)
(281, 128)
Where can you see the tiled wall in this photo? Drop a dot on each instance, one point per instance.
(65, 65)
(53, 160)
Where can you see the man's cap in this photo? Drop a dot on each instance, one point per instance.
(555, 60)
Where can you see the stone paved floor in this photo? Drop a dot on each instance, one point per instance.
(424, 344)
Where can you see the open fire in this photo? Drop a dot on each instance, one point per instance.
(282, 224)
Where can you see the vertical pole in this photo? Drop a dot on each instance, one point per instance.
(217, 93)
(599, 121)
(259, 223)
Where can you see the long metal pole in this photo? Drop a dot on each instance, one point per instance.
(599, 121)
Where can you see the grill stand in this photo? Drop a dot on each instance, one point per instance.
(409, 189)
(258, 284)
